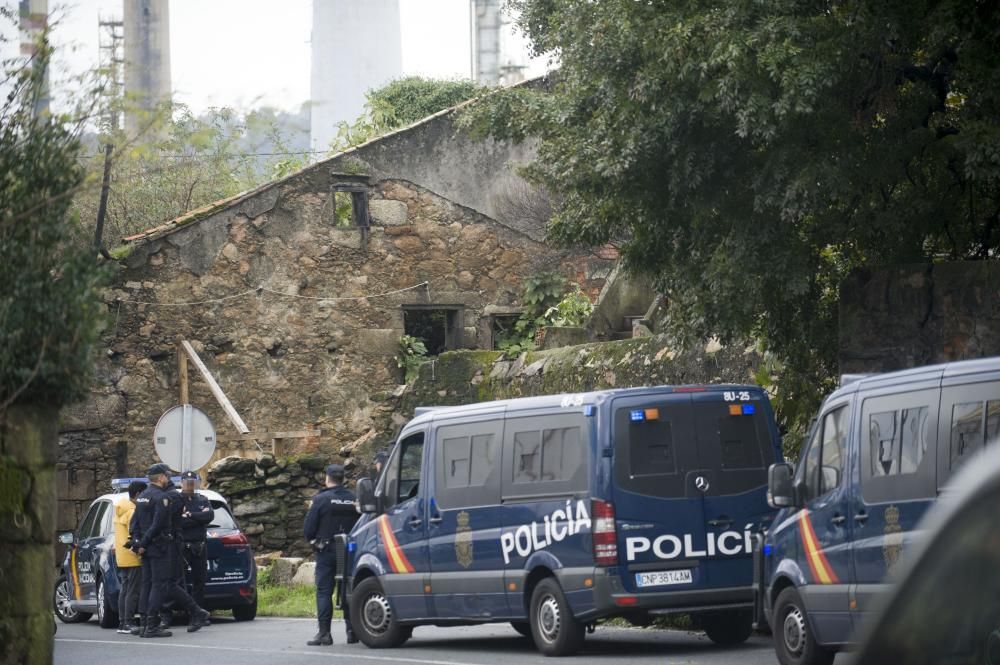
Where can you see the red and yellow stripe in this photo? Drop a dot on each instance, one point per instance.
(75, 577)
(397, 558)
(822, 571)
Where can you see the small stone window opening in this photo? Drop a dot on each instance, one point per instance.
(439, 327)
(350, 201)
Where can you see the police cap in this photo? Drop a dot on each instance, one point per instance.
(157, 469)
(189, 475)
(381, 456)
(335, 472)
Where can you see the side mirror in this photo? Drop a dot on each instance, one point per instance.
(67, 537)
(366, 496)
(780, 489)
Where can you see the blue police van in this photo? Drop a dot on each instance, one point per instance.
(880, 452)
(554, 512)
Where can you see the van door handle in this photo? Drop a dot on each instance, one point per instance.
(437, 519)
(721, 521)
(838, 519)
(415, 522)
(861, 518)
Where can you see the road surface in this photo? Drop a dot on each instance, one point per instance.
(273, 640)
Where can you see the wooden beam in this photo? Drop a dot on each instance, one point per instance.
(252, 436)
(182, 373)
(220, 396)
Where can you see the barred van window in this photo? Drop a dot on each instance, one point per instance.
(966, 431)
(527, 457)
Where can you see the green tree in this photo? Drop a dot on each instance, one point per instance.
(750, 154)
(400, 103)
(50, 310)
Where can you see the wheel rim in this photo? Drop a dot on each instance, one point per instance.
(63, 606)
(376, 614)
(549, 618)
(794, 631)
(100, 601)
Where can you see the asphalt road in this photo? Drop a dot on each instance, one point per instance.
(283, 641)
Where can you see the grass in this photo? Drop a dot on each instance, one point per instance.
(278, 600)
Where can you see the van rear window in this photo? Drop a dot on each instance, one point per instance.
(740, 445)
(651, 448)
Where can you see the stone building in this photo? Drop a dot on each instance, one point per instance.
(296, 295)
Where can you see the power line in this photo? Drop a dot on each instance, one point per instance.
(262, 289)
(234, 154)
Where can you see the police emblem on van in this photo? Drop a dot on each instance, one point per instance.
(463, 540)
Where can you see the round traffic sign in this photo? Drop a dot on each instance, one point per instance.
(184, 438)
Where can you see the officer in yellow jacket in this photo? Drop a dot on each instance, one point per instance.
(126, 559)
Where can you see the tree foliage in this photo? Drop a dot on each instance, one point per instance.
(750, 154)
(182, 161)
(50, 306)
(400, 103)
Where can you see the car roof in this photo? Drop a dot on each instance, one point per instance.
(949, 370)
(425, 414)
(208, 494)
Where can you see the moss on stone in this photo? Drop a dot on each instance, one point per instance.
(12, 482)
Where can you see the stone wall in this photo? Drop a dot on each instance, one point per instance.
(906, 316)
(28, 437)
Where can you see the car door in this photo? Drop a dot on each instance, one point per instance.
(736, 443)
(403, 529)
(464, 528)
(899, 434)
(824, 527)
(85, 561)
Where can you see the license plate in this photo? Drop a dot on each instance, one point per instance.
(663, 578)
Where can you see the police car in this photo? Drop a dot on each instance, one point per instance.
(554, 512)
(88, 578)
(880, 452)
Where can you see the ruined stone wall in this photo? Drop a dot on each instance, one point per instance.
(288, 359)
(898, 317)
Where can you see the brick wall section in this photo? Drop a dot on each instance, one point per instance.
(910, 315)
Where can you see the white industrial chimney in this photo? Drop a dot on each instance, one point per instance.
(356, 46)
(147, 60)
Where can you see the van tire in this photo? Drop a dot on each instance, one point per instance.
(372, 617)
(553, 627)
(794, 642)
(727, 628)
(522, 627)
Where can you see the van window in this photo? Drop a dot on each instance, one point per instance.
(545, 455)
(824, 460)
(402, 474)
(974, 425)
(468, 464)
(898, 437)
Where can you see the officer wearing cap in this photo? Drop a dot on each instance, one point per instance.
(332, 512)
(153, 529)
(381, 456)
(196, 515)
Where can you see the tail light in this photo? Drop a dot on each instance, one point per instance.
(605, 538)
(234, 540)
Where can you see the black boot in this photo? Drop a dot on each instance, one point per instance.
(199, 619)
(140, 627)
(323, 638)
(156, 630)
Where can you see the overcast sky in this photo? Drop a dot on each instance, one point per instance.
(250, 53)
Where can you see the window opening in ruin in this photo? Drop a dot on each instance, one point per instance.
(440, 328)
(502, 329)
(343, 209)
(349, 201)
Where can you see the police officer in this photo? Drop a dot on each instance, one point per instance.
(332, 512)
(196, 515)
(158, 511)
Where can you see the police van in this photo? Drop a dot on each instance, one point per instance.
(554, 512)
(880, 452)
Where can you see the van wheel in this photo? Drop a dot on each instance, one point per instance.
(727, 628)
(374, 622)
(554, 628)
(794, 643)
(522, 627)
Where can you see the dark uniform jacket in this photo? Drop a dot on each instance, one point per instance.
(151, 526)
(193, 527)
(332, 512)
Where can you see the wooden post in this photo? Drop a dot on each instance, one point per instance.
(220, 396)
(182, 373)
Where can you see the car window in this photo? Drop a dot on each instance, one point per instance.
(468, 464)
(106, 523)
(222, 518)
(402, 474)
(545, 455)
(959, 565)
(810, 472)
(835, 429)
(87, 526)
